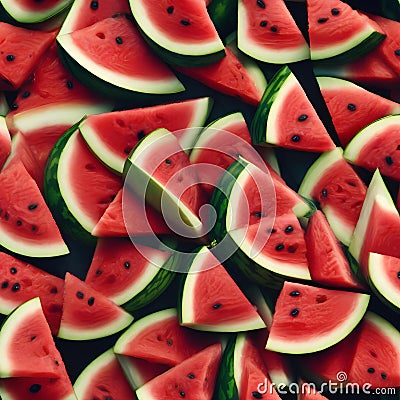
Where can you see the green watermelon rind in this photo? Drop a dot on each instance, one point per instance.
(68, 223)
(223, 14)
(381, 285)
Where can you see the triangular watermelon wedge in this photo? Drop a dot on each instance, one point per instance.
(88, 314)
(338, 32)
(26, 345)
(26, 224)
(194, 378)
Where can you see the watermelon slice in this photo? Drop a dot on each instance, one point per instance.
(103, 377)
(181, 33)
(378, 228)
(334, 314)
(27, 347)
(159, 338)
(26, 224)
(352, 107)
(22, 281)
(71, 170)
(268, 32)
(159, 171)
(88, 314)
(340, 192)
(112, 136)
(5, 142)
(349, 33)
(224, 307)
(194, 378)
(286, 117)
(384, 278)
(33, 11)
(327, 263)
(84, 13)
(94, 49)
(128, 274)
(128, 207)
(22, 49)
(375, 146)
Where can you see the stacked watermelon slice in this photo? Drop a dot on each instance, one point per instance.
(199, 199)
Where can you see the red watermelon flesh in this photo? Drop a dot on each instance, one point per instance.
(27, 345)
(33, 282)
(83, 13)
(117, 264)
(193, 378)
(352, 107)
(5, 142)
(27, 224)
(228, 76)
(21, 50)
(159, 338)
(326, 260)
(127, 207)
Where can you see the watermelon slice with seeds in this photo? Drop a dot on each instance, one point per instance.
(224, 307)
(353, 107)
(112, 136)
(181, 33)
(103, 377)
(286, 117)
(21, 281)
(27, 227)
(193, 377)
(340, 192)
(26, 344)
(331, 315)
(88, 314)
(268, 32)
(93, 50)
(349, 33)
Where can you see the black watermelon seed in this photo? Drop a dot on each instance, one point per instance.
(324, 193)
(170, 9)
(271, 230)
(263, 24)
(10, 57)
(291, 249)
(26, 94)
(6, 216)
(69, 84)
(14, 106)
(19, 223)
(295, 312)
(127, 264)
(119, 40)
(279, 247)
(296, 138)
(322, 20)
(33, 338)
(289, 229)
(13, 270)
(4, 285)
(302, 117)
(257, 395)
(56, 362)
(294, 293)
(185, 22)
(371, 370)
(398, 275)
(257, 214)
(191, 376)
(99, 272)
(33, 228)
(141, 134)
(182, 393)
(168, 161)
(216, 306)
(383, 375)
(389, 160)
(16, 287)
(108, 398)
(261, 3)
(80, 295)
(169, 342)
(351, 107)
(274, 28)
(35, 388)
(94, 5)
(54, 290)
(335, 11)
(127, 150)
(397, 52)
(32, 206)
(90, 301)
